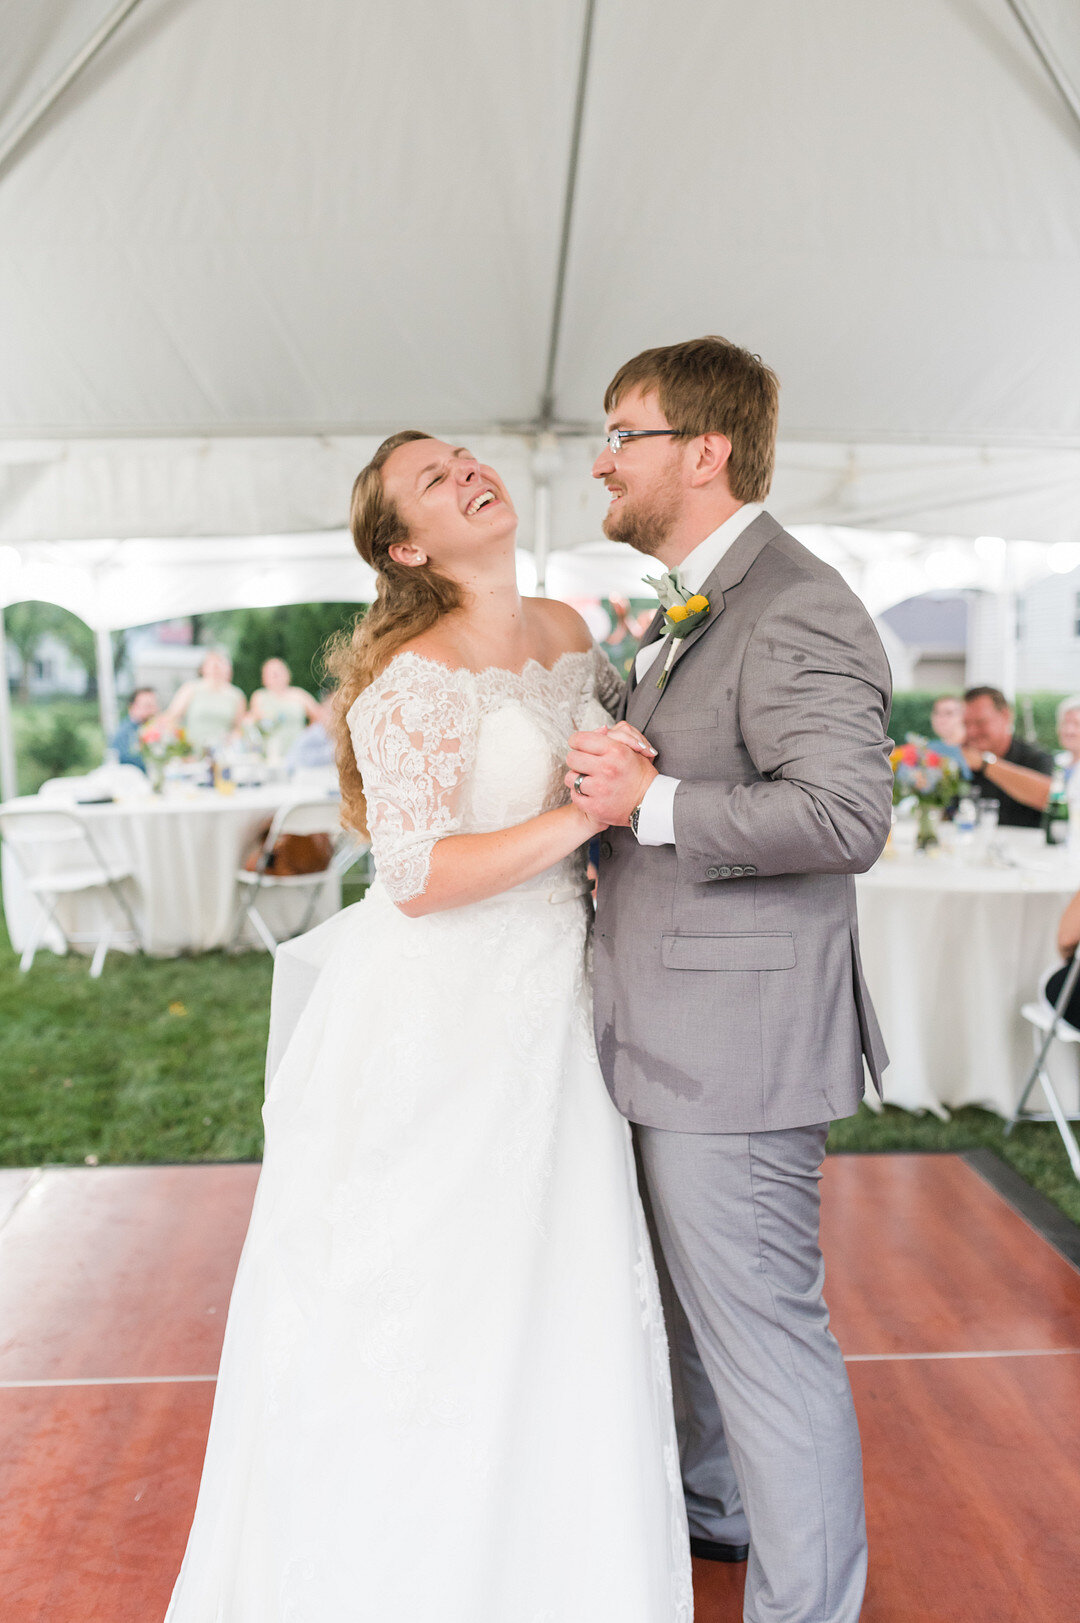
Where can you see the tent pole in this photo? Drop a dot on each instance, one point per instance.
(547, 399)
(106, 683)
(546, 461)
(9, 782)
(1039, 43)
(52, 94)
(542, 533)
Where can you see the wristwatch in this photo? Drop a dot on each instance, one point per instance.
(634, 815)
(989, 759)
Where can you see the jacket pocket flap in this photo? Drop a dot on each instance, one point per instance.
(775, 950)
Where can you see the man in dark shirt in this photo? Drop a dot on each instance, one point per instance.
(125, 740)
(1003, 767)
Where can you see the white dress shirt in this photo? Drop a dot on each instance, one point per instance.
(656, 819)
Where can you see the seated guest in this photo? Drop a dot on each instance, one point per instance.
(1068, 730)
(210, 710)
(279, 710)
(314, 747)
(947, 725)
(1068, 941)
(1004, 767)
(142, 706)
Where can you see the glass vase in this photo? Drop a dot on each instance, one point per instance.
(929, 821)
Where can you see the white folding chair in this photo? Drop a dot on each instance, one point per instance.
(296, 817)
(67, 790)
(57, 856)
(1047, 1027)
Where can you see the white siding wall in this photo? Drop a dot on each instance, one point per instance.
(1049, 649)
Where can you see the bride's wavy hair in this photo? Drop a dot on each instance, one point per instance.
(410, 598)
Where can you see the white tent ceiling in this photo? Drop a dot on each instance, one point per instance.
(250, 235)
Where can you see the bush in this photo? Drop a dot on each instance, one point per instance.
(54, 740)
(911, 714)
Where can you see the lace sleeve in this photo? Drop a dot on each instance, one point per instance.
(414, 745)
(609, 684)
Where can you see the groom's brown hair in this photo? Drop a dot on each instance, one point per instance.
(710, 385)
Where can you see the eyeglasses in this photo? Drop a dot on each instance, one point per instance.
(618, 435)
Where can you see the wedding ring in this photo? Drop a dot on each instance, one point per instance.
(578, 781)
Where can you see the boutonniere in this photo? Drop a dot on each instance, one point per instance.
(683, 613)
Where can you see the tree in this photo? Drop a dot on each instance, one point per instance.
(27, 623)
(296, 633)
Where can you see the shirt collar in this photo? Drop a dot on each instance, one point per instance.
(698, 565)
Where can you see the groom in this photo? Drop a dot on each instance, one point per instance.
(732, 1018)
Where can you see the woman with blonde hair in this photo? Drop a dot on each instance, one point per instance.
(444, 1389)
(279, 710)
(210, 708)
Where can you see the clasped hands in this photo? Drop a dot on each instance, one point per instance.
(609, 772)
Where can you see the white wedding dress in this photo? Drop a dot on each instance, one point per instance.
(444, 1392)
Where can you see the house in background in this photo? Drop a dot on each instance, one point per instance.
(160, 657)
(1048, 635)
(54, 672)
(926, 641)
(944, 641)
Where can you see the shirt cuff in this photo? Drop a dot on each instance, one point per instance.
(656, 819)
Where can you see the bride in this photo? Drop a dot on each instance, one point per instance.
(444, 1388)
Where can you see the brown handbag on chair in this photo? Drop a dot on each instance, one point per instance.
(293, 854)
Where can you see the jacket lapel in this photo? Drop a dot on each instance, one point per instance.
(645, 697)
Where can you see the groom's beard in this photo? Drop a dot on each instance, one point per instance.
(645, 522)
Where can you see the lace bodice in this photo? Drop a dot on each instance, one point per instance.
(451, 751)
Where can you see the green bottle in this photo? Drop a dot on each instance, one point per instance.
(1055, 817)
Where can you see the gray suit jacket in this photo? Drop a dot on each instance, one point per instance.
(729, 994)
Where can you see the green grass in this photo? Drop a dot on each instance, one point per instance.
(1034, 1150)
(106, 1068)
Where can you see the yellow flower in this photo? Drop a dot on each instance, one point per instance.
(678, 611)
(177, 1008)
(695, 604)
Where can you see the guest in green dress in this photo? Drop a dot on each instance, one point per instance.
(280, 711)
(210, 710)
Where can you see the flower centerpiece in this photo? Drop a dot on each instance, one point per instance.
(157, 746)
(925, 779)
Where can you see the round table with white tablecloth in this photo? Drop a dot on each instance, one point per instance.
(951, 950)
(183, 851)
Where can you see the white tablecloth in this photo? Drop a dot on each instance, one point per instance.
(951, 952)
(184, 852)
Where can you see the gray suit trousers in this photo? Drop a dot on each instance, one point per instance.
(736, 1218)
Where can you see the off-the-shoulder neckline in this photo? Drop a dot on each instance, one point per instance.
(486, 670)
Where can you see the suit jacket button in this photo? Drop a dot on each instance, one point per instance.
(712, 873)
(606, 848)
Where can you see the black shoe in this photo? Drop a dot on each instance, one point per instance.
(707, 1549)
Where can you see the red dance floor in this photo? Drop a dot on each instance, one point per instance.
(960, 1323)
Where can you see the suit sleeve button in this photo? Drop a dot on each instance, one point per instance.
(725, 872)
(737, 873)
(750, 869)
(712, 873)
